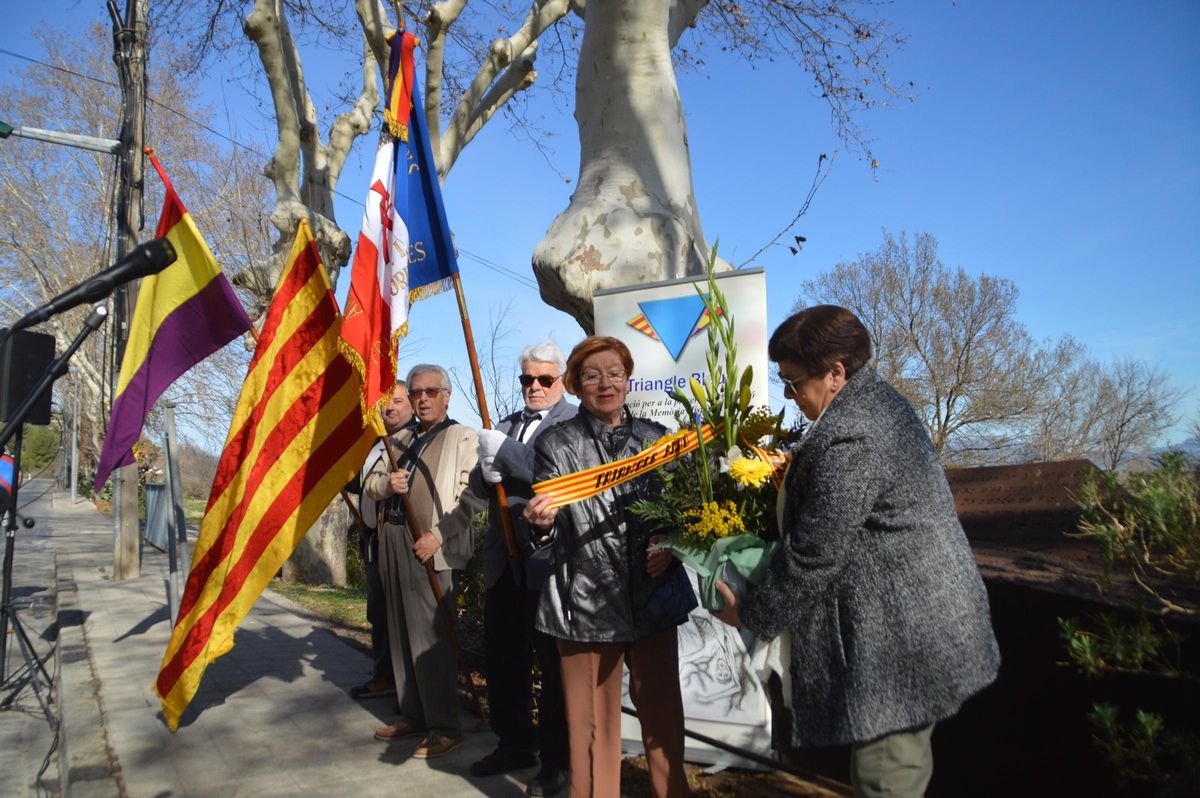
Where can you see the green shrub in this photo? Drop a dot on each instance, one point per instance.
(1149, 528)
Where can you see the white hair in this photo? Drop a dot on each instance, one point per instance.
(429, 368)
(545, 352)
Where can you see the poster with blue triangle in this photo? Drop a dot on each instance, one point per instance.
(659, 324)
(673, 320)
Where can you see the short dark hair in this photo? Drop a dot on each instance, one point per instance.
(817, 337)
(588, 347)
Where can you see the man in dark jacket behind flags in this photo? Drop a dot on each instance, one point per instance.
(506, 456)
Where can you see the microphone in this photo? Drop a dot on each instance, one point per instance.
(149, 258)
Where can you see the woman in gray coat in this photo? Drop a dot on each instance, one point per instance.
(889, 620)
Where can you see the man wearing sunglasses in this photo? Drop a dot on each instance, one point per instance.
(435, 461)
(513, 587)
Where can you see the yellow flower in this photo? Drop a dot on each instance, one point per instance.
(711, 520)
(750, 471)
(759, 424)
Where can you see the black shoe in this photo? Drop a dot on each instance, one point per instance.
(549, 781)
(502, 760)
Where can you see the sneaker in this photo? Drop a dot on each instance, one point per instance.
(435, 745)
(549, 781)
(397, 731)
(502, 760)
(375, 687)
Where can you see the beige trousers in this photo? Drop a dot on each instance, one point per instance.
(591, 676)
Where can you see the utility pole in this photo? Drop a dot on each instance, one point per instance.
(129, 53)
(75, 442)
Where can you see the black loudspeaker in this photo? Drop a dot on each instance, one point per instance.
(24, 358)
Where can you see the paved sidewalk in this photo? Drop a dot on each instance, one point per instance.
(272, 717)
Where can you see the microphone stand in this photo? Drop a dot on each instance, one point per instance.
(35, 673)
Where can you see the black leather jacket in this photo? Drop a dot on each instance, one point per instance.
(598, 589)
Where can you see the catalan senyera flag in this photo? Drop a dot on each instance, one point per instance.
(183, 315)
(404, 251)
(296, 439)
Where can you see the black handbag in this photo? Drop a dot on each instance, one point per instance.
(671, 601)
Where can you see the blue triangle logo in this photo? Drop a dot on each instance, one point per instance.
(673, 320)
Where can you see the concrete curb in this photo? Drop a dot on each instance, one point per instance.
(86, 762)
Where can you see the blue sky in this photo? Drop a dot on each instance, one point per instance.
(1049, 143)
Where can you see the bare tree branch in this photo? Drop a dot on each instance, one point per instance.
(507, 69)
(1136, 401)
(947, 341)
(824, 167)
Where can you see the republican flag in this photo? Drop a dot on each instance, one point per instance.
(183, 315)
(405, 251)
(296, 439)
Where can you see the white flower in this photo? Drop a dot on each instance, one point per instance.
(734, 453)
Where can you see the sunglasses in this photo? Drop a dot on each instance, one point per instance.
(543, 380)
(430, 393)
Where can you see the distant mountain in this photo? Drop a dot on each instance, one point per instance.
(1190, 447)
(1143, 460)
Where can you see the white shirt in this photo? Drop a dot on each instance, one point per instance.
(534, 424)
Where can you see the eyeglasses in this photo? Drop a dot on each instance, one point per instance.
(543, 380)
(594, 377)
(791, 385)
(430, 393)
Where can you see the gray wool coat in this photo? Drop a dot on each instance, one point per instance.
(876, 582)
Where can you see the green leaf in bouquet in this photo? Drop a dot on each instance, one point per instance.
(717, 503)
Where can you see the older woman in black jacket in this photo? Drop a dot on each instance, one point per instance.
(609, 600)
(889, 620)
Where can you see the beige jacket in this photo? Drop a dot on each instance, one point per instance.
(452, 526)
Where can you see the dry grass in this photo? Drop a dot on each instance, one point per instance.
(345, 606)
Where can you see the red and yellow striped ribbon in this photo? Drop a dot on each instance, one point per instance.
(778, 462)
(584, 484)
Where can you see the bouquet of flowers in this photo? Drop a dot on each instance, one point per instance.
(719, 501)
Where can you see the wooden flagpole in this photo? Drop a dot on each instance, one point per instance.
(510, 541)
(401, 81)
(358, 519)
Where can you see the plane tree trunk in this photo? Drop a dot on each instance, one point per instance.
(633, 217)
